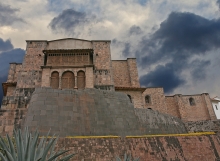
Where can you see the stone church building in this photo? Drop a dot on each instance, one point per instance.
(80, 64)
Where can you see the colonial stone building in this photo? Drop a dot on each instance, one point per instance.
(80, 64)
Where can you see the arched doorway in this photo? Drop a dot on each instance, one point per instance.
(68, 80)
(81, 83)
(54, 82)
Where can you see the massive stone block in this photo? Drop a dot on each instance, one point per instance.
(94, 112)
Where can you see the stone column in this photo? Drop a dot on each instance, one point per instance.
(75, 83)
(60, 81)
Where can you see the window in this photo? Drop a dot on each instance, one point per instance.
(192, 101)
(216, 107)
(147, 99)
(129, 98)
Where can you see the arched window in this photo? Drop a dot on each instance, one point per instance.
(129, 98)
(54, 82)
(81, 83)
(147, 99)
(68, 80)
(192, 101)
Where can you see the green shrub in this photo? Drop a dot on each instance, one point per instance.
(30, 148)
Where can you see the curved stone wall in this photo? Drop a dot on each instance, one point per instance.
(94, 112)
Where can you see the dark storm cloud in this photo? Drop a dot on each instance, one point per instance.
(8, 15)
(69, 19)
(5, 45)
(199, 70)
(135, 30)
(218, 3)
(180, 37)
(126, 50)
(14, 55)
(163, 76)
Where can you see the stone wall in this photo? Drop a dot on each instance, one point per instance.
(196, 112)
(172, 106)
(202, 126)
(11, 119)
(31, 73)
(125, 73)
(157, 99)
(94, 112)
(46, 74)
(136, 97)
(10, 90)
(187, 148)
(179, 106)
(208, 104)
(89, 77)
(133, 72)
(102, 62)
(20, 99)
(102, 77)
(121, 73)
(13, 72)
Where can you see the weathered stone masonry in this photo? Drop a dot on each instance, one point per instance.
(84, 64)
(187, 148)
(72, 87)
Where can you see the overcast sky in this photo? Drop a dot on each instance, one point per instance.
(176, 43)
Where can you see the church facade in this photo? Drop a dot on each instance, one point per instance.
(79, 64)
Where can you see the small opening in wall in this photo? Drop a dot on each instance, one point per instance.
(97, 54)
(147, 99)
(149, 108)
(192, 101)
(30, 42)
(39, 54)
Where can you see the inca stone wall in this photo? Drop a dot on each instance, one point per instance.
(157, 99)
(132, 68)
(11, 119)
(13, 72)
(172, 106)
(31, 73)
(136, 97)
(121, 73)
(94, 112)
(179, 106)
(185, 148)
(20, 99)
(200, 108)
(103, 64)
(200, 126)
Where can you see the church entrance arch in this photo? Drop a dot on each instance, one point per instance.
(54, 82)
(68, 80)
(81, 80)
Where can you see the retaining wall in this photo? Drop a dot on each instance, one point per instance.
(168, 148)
